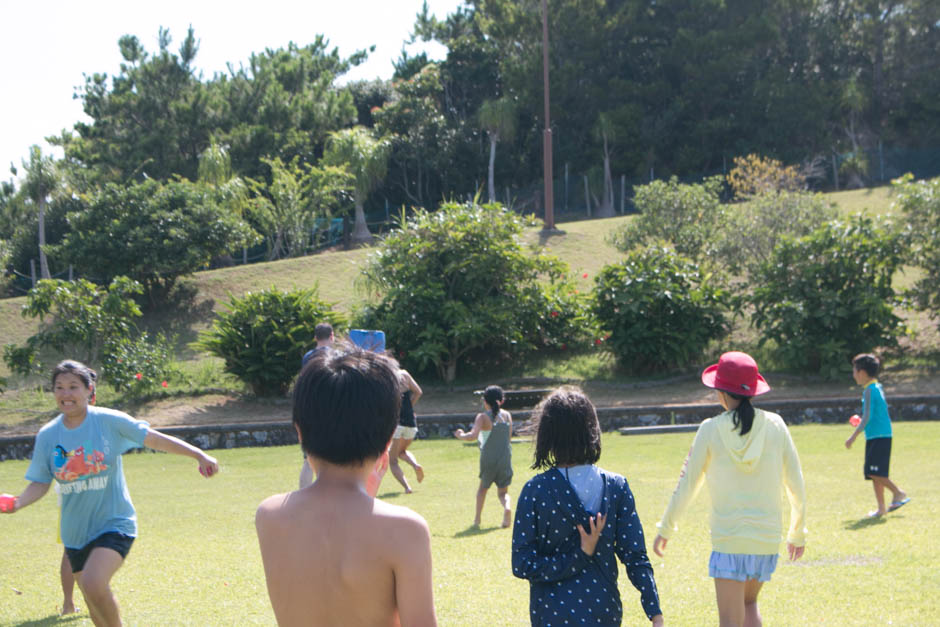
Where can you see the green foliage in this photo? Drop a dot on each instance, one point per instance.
(755, 175)
(688, 216)
(459, 281)
(920, 203)
(751, 230)
(138, 365)
(151, 232)
(81, 321)
(827, 296)
(152, 119)
(263, 336)
(659, 309)
(283, 104)
(286, 210)
(423, 144)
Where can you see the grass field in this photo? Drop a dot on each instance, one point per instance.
(197, 563)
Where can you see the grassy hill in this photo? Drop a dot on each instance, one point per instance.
(582, 244)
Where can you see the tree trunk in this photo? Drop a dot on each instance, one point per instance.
(361, 234)
(491, 180)
(606, 208)
(43, 262)
(450, 371)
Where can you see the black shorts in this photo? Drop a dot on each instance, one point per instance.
(877, 457)
(111, 540)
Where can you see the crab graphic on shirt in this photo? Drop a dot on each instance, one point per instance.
(75, 464)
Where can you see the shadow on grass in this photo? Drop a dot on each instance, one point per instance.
(864, 523)
(387, 496)
(55, 619)
(179, 315)
(474, 530)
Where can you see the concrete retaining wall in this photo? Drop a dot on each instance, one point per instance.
(825, 411)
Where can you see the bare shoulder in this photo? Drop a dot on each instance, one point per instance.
(271, 510)
(404, 524)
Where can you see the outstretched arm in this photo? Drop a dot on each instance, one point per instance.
(471, 435)
(412, 385)
(33, 492)
(690, 482)
(208, 466)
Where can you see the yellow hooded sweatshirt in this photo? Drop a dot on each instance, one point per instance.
(745, 476)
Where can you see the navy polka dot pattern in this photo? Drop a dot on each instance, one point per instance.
(566, 586)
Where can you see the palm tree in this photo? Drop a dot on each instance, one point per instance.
(366, 159)
(41, 181)
(498, 118)
(215, 169)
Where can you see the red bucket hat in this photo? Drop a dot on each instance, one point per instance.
(737, 373)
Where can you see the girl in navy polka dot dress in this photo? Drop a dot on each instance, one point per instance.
(574, 520)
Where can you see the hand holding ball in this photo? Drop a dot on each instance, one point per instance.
(7, 503)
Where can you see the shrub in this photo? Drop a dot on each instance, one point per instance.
(754, 175)
(152, 232)
(920, 203)
(687, 216)
(138, 365)
(827, 296)
(82, 321)
(458, 281)
(263, 336)
(754, 228)
(660, 310)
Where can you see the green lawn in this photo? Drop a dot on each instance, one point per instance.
(197, 561)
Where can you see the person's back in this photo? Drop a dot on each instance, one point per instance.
(333, 554)
(343, 558)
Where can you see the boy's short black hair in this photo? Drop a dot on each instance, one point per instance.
(567, 430)
(322, 331)
(867, 362)
(346, 404)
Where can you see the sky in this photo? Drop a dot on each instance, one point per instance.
(47, 45)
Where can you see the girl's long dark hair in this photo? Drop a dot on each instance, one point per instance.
(743, 414)
(567, 430)
(493, 397)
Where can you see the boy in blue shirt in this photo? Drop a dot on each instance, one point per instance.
(876, 423)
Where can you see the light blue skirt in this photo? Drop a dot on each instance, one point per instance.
(741, 566)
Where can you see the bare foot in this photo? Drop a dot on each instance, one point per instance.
(409, 491)
(476, 523)
(507, 518)
(69, 608)
(419, 473)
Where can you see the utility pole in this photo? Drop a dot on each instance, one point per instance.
(547, 133)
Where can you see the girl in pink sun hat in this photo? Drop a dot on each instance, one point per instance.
(745, 455)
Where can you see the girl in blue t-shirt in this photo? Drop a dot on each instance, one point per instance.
(574, 520)
(81, 449)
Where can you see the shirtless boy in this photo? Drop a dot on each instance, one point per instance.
(333, 554)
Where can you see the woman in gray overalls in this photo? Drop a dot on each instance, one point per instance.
(493, 428)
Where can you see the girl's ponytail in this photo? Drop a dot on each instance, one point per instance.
(743, 413)
(493, 397)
